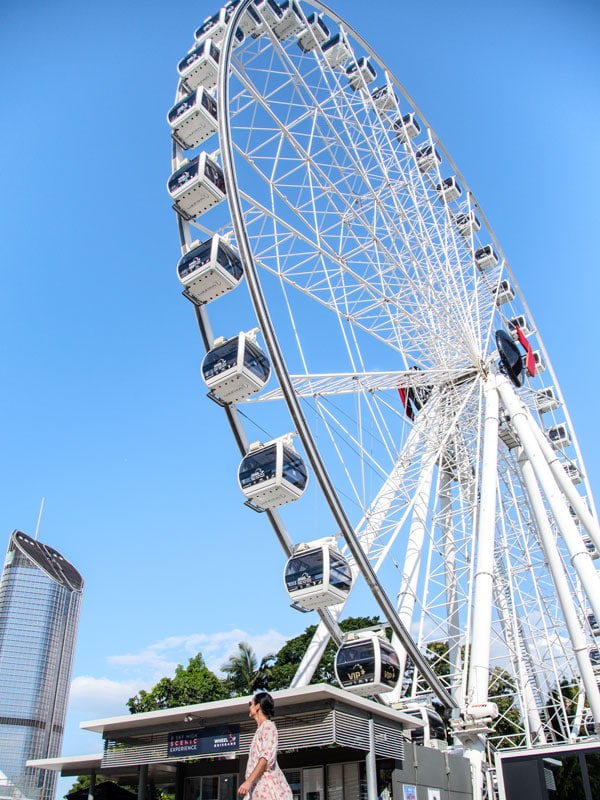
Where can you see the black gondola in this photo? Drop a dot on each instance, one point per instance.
(486, 257)
(336, 50)
(510, 357)
(201, 66)
(406, 127)
(196, 186)
(316, 33)
(194, 118)
(427, 157)
(449, 189)
(360, 73)
(272, 474)
(209, 270)
(236, 368)
(593, 623)
(367, 664)
(432, 732)
(317, 575)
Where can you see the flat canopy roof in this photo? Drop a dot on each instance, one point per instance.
(320, 692)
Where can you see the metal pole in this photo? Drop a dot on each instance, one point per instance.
(371, 763)
(563, 590)
(580, 558)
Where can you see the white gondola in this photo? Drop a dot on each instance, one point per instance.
(573, 472)
(272, 474)
(292, 21)
(209, 269)
(467, 224)
(315, 33)
(486, 257)
(336, 50)
(427, 157)
(593, 623)
(590, 547)
(406, 127)
(432, 731)
(366, 664)
(269, 11)
(360, 73)
(214, 27)
(558, 436)
(521, 322)
(594, 655)
(201, 66)
(194, 118)
(540, 364)
(196, 186)
(236, 368)
(449, 189)
(317, 575)
(504, 292)
(545, 400)
(384, 98)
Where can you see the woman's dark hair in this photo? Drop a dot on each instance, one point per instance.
(265, 701)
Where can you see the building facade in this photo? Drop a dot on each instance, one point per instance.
(40, 598)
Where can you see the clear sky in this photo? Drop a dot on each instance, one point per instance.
(103, 412)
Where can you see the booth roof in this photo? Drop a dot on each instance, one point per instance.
(237, 706)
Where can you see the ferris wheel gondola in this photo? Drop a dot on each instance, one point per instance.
(196, 186)
(193, 118)
(317, 575)
(367, 664)
(236, 368)
(272, 474)
(200, 67)
(209, 269)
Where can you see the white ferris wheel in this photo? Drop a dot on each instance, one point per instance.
(376, 359)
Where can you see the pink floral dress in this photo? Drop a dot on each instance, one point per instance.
(272, 784)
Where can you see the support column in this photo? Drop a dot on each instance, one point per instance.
(371, 763)
(580, 558)
(142, 781)
(92, 785)
(563, 590)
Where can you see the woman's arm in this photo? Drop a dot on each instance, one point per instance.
(253, 777)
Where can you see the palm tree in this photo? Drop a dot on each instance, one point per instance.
(243, 674)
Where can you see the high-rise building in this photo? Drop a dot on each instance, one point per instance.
(40, 597)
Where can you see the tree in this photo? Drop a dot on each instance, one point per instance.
(192, 684)
(243, 674)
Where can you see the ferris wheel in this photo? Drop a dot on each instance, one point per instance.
(377, 363)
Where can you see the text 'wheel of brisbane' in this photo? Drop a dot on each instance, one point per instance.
(398, 417)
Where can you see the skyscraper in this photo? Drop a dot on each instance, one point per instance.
(40, 597)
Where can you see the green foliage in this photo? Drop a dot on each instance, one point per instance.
(244, 675)
(192, 684)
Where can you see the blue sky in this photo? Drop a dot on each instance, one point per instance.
(103, 412)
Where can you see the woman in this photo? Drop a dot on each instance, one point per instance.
(264, 779)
